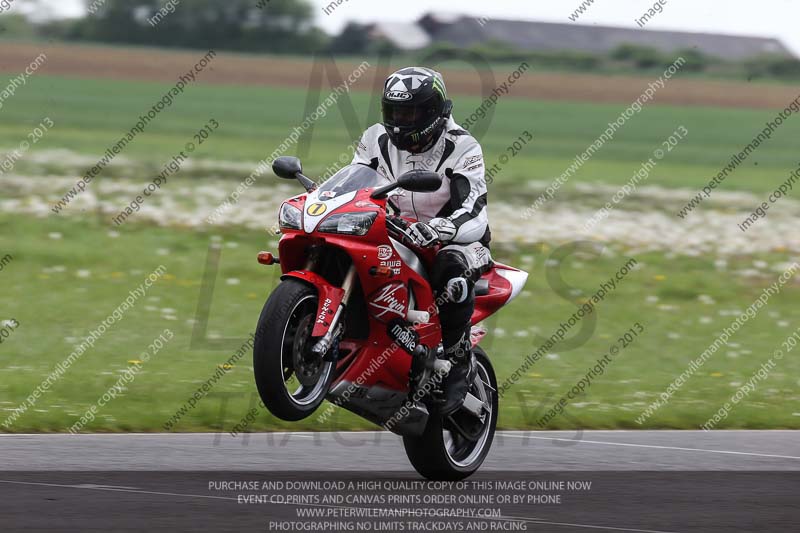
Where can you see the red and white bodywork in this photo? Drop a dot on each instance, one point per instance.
(366, 270)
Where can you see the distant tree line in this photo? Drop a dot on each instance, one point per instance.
(286, 27)
(276, 26)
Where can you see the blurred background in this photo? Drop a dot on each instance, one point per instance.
(231, 84)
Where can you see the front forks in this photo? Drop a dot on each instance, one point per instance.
(334, 331)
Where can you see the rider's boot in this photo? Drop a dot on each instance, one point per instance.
(458, 381)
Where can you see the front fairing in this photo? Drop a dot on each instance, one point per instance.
(294, 243)
(388, 272)
(338, 191)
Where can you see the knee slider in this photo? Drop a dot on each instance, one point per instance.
(457, 290)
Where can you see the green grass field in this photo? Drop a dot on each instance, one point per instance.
(92, 115)
(57, 308)
(69, 272)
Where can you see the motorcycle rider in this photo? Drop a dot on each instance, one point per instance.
(418, 132)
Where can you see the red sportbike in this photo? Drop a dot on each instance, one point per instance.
(354, 320)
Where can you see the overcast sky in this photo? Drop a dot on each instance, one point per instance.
(770, 18)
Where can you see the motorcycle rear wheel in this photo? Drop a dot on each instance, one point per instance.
(282, 357)
(441, 453)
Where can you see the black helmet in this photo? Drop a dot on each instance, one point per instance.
(415, 108)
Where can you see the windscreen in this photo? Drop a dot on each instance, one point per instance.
(352, 178)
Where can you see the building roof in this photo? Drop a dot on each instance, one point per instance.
(403, 35)
(529, 35)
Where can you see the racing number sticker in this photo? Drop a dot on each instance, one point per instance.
(316, 209)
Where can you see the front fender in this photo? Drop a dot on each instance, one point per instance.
(330, 298)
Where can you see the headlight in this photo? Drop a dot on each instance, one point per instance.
(349, 223)
(289, 217)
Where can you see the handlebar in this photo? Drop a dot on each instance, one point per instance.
(398, 226)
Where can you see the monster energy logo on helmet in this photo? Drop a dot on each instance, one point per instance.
(438, 84)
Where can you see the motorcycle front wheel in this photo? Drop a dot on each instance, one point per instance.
(291, 380)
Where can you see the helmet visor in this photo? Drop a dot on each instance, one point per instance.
(409, 116)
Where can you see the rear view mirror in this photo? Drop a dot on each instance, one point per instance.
(413, 181)
(420, 181)
(287, 167)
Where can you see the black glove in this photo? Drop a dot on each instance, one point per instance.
(438, 229)
(423, 234)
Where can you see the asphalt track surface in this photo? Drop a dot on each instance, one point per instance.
(654, 481)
